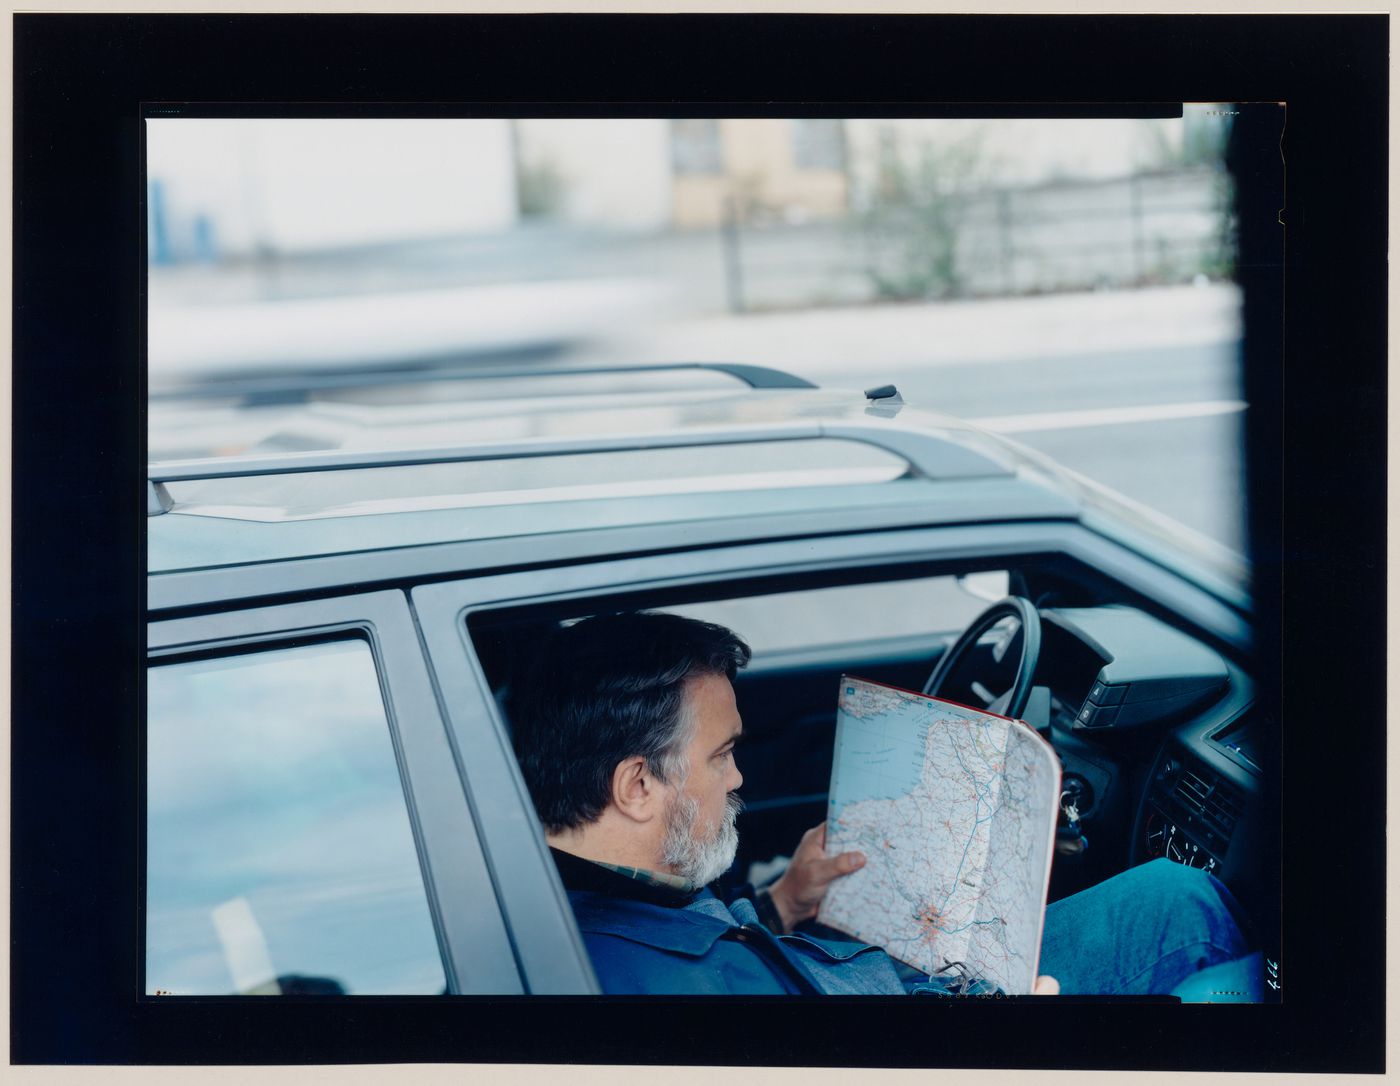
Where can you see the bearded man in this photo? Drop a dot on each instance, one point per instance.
(625, 730)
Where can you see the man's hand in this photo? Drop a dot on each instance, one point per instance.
(1046, 986)
(802, 886)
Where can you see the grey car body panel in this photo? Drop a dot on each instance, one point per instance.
(1215, 606)
(188, 542)
(1000, 480)
(476, 951)
(548, 946)
(951, 544)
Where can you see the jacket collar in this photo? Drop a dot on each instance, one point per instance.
(580, 874)
(606, 902)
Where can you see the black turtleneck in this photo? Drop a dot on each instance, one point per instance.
(580, 874)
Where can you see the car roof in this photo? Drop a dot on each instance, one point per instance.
(579, 420)
(866, 461)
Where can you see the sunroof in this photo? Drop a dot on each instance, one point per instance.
(572, 477)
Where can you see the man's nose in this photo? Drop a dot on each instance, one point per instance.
(738, 779)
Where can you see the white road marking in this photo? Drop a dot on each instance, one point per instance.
(1106, 416)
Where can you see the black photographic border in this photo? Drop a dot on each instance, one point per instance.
(1317, 438)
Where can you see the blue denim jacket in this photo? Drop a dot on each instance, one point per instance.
(639, 948)
(1144, 931)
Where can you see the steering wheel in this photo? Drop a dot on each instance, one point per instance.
(1013, 702)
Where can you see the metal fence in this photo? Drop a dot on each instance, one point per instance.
(1146, 229)
(1073, 235)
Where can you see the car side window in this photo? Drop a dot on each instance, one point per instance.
(820, 617)
(279, 854)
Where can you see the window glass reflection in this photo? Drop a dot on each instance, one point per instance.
(815, 617)
(279, 853)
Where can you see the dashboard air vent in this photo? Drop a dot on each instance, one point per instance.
(1204, 791)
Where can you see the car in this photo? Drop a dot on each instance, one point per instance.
(337, 615)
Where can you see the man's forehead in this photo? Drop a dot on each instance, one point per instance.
(711, 698)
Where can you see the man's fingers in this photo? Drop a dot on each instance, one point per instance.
(1046, 986)
(844, 864)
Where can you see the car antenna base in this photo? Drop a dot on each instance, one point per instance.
(884, 392)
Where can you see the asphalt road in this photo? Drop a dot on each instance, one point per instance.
(1164, 426)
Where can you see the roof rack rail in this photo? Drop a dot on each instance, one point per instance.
(270, 389)
(926, 455)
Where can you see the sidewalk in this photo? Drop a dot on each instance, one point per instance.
(831, 341)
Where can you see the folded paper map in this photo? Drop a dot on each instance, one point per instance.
(955, 811)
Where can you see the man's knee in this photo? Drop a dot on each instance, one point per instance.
(1192, 901)
(1164, 876)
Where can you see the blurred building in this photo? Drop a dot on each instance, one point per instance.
(691, 173)
(222, 187)
(791, 170)
(230, 187)
(688, 173)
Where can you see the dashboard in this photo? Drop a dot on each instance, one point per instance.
(1201, 806)
(1155, 731)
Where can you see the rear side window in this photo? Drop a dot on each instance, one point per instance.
(279, 856)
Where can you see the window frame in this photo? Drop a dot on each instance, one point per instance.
(473, 943)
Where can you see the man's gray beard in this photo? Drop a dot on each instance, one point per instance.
(700, 861)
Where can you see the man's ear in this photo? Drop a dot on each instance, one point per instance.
(635, 791)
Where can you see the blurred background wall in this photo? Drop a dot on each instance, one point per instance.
(1070, 283)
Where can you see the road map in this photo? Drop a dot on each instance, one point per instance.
(955, 812)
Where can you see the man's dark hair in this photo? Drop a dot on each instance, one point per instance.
(606, 689)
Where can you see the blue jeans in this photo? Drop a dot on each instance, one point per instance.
(1142, 932)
